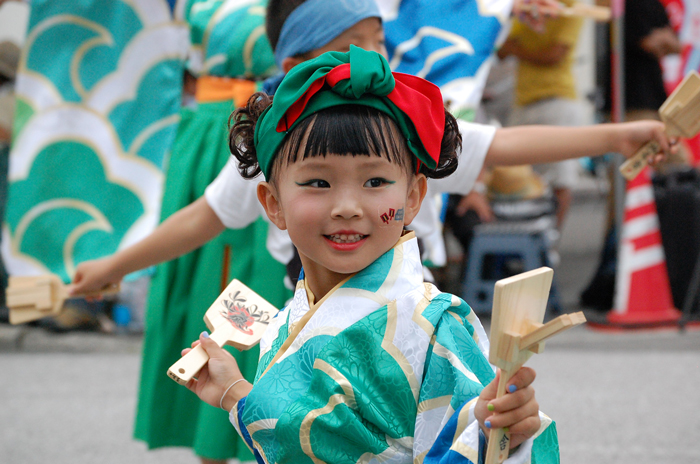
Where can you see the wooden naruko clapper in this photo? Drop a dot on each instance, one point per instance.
(578, 9)
(517, 332)
(238, 318)
(34, 297)
(680, 114)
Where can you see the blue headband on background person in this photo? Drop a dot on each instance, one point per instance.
(314, 23)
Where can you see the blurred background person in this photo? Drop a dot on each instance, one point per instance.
(231, 57)
(545, 90)
(9, 59)
(648, 38)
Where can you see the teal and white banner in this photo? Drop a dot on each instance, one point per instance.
(448, 42)
(98, 98)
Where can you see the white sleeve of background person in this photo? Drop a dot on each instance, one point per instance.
(476, 141)
(233, 198)
(235, 201)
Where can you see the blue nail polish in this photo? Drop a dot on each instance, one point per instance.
(487, 424)
(512, 388)
(205, 334)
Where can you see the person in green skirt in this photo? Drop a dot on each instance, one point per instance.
(235, 57)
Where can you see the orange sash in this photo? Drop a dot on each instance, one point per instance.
(213, 88)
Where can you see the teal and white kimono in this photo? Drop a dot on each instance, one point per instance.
(384, 368)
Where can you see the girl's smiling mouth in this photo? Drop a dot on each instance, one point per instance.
(345, 238)
(345, 241)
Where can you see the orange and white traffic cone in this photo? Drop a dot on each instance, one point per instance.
(642, 289)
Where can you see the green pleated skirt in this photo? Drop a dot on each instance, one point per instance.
(183, 289)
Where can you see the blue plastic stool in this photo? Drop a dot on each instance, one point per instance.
(500, 250)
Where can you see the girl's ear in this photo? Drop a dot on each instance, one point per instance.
(267, 196)
(414, 197)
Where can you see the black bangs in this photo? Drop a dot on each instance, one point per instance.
(346, 130)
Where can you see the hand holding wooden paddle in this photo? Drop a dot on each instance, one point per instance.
(34, 297)
(553, 9)
(238, 317)
(680, 114)
(517, 332)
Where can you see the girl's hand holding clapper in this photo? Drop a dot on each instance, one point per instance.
(518, 410)
(221, 372)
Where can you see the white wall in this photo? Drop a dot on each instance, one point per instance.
(13, 21)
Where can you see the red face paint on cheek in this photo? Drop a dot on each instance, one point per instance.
(390, 216)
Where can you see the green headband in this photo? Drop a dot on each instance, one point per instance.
(358, 77)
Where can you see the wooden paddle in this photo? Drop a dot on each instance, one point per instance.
(33, 297)
(238, 318)
(680, 114)
(517, 332)
(598, 13)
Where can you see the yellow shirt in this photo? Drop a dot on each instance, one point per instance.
(536, 82)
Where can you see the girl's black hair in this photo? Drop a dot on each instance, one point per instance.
(348, 129)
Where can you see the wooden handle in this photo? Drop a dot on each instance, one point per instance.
(634, 165)
(188, 366)
(599, 13)
(499, 439)
(191, 363)
(111, 289)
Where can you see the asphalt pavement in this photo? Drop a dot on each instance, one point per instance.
(618, 397)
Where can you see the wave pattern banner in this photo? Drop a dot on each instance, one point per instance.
(98, 97)
(448, 42)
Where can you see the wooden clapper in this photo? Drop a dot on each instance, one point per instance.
(34, 297)
(598, 13)
(517, 332)
(238, 317)
(680, 114)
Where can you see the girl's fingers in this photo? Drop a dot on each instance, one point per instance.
(523, 378)
(513, 416)
(526, 427)
(489, 392)
(512, 401)
(185, 351)
(203, 375)
(191, 385)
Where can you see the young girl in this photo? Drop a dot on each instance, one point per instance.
(367, 362)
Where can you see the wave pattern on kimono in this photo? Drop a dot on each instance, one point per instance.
(373, 372)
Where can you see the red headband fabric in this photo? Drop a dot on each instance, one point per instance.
(418, 99)
(358, 77)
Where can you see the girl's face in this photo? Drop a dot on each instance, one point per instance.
(342, 212)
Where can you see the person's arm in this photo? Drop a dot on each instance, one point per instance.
(184, 231)
(513, 146)
(661, 42)
(548, 56)
(477, 201)
(5, 135)
(535, 13)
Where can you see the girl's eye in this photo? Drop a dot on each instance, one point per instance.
(315, 183)
(377, 182)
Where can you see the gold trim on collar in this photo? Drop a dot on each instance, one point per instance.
(301, 323)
